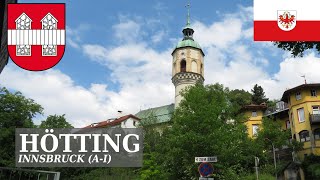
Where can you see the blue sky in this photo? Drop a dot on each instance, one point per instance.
(118, 57)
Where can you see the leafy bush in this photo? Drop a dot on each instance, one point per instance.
(261, 177)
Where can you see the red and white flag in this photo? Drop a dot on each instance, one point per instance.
(286, 20)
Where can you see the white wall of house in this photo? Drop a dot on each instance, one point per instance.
(129, 123)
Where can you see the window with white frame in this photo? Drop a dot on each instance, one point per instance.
(254, 114)
(298, 95)
(304, 136)
(313, 92)
(255, 129)
(301, 117)
(315, 109)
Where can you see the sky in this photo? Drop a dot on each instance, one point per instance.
(118, 57)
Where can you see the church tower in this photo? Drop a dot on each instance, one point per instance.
(187, 63)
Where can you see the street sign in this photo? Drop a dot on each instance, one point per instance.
(205, 169)
(206, 159)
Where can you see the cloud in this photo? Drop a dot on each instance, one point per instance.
(158, 36)
(95, 52)
(74, 35)
(143, 72)
(220, 34)
(289, 75)
(127, 31)
(57, 93)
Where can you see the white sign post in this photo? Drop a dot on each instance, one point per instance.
(206, 159)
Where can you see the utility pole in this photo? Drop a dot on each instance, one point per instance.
(256, 162)
(274, 160)
(274, 157)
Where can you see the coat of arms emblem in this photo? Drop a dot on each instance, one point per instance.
(36, 35)
(287, 20)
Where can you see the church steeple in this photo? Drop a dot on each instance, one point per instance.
(188, 31)
(188, 60)
(188, 15)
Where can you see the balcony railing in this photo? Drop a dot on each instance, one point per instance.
(280, 106)
(315, 118)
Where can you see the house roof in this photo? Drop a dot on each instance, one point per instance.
(49, 14)
(23, 14)
(162, 113)
(188, 43)
(262, 106)
(112, 122)
(297, 88)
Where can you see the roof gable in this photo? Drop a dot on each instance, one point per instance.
(49, 14)
(112, 122)
(23, 14)
(298, 88)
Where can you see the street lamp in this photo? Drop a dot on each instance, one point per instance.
(274, 156)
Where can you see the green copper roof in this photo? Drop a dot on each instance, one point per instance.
(188, 26)
(162, 113)
(188, 43)
(187, 31)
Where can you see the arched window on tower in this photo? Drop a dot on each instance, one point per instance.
(183, 65)
(201, 68)
(194, 66)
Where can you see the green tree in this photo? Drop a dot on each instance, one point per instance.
(151, 144)
(311, 167)
(271, 131)
(200, 128)
(298, 48)
(55, 121)
(272, 103)
(258, 95)
(238, 99)
(16, 111)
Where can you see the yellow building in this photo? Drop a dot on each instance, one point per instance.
(298, 110)
(304, 115)
(279, 113)
(253, 114)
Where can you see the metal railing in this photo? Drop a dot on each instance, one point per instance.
(279, 107)
(27, 174)
(314, 118)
